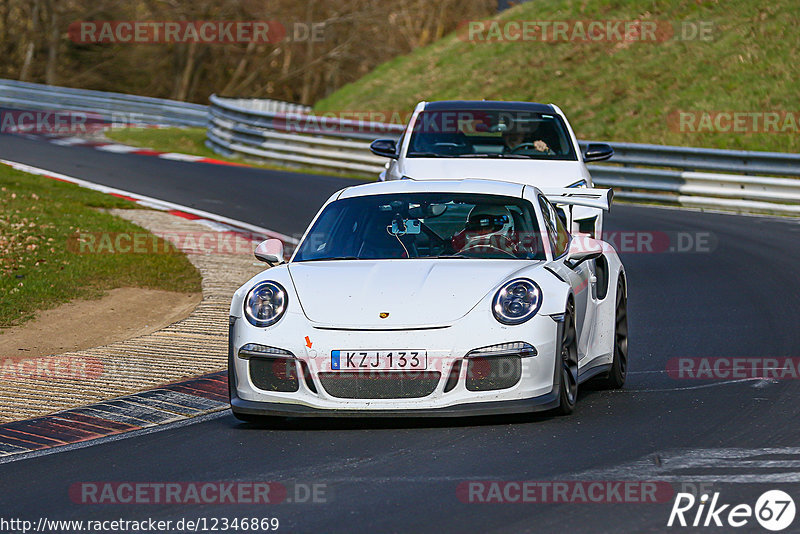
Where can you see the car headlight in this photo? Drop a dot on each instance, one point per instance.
(265, 304)
(254, 349)
(579, 183)
(517, 301)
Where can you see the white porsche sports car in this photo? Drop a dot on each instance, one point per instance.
(440, 297)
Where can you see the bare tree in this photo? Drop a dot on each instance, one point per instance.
(328, 44)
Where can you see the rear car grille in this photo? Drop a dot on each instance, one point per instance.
(274, 374)
(375, 385)
(494, 372)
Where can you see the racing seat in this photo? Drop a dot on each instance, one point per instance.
(488, 228)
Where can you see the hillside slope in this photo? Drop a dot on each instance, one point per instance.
(614, 89)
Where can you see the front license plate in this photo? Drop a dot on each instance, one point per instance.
(379, 360)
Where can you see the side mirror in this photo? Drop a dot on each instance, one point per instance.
(583, 248)
(597, 152)
(270, 251)
(384, 147)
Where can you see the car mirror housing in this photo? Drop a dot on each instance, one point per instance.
(582, 248)
(384, 147)
(270, 251)
(597, 152)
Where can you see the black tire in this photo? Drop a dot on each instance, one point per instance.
(568, 363)
(619, 365)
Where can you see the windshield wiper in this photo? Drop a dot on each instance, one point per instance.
(332, 258)
(447, 256)
(425, 154)
(494, 155)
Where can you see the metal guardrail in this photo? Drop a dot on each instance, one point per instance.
(267, 106)
(295, 138)
(744, 180)
(287, 134)
(710, 159)
(111, 107)
(731, 180)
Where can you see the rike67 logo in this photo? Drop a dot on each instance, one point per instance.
(774, 510)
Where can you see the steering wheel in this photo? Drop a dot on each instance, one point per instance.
(452, 149)
(531, 146)
(487, 246)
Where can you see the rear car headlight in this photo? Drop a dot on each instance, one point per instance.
(265, 304)
(517, 301)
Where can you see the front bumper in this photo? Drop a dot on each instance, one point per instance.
(544, 402)
(536, 390)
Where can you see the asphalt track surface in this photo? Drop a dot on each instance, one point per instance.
(741, 299)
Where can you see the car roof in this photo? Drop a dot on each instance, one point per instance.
(487, 105)
(467, 185)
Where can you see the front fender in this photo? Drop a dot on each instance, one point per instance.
(554, 294)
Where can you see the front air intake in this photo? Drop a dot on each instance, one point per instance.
(380, 385)
(274, 374)
(493, 372)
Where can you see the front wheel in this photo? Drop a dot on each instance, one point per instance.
(568, 362)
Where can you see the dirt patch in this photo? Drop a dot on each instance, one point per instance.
(190, 346)
(122, 314)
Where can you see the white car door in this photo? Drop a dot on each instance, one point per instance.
(581, 277)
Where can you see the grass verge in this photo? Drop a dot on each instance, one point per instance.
(181, 140)
(610, 89)
(40, 217)
(192, 141)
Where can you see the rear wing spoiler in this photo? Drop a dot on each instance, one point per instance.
(578, 196)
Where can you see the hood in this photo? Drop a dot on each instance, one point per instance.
(533, 172)
(414, 292)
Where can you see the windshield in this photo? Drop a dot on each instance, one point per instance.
(490, 134)
(424, 225)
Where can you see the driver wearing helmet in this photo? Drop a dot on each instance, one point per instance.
(489, 228)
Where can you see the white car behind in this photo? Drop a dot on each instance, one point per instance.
(522, 142)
